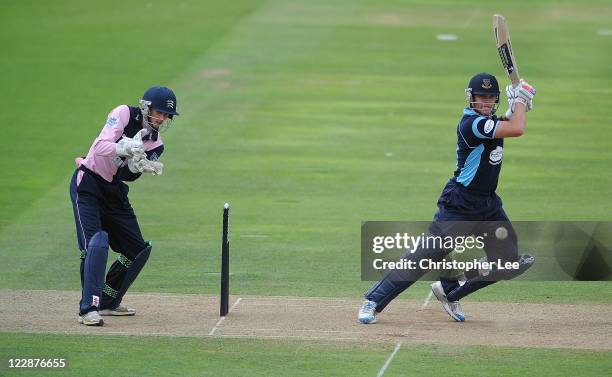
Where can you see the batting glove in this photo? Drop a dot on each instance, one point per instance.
(511, 94)
(525, 93)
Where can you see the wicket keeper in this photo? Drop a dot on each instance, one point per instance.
(128, 145)
(468, 202)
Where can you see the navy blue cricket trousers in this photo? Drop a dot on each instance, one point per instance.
(101, 205)
(460, 213)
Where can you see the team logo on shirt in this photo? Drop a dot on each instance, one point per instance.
(495, 157)
(112, 122)
(488, 126)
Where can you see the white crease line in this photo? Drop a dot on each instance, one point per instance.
(427, 300)
(192, 335)
(303, 330)
(399, 344)
(235, 304)
(384, 367)
(285, 337)
(253, 303)
(220, 321)
(293, 298)
(168, 295)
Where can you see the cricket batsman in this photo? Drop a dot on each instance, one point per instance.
(468, 203)
(128, 145)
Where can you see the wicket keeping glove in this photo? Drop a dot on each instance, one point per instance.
(127, 147)
(154, 167)
(136, 164)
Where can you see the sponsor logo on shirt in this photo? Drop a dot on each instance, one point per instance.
(112, 122)
(489, 124)
(495, 157)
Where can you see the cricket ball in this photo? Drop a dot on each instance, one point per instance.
(501, 233)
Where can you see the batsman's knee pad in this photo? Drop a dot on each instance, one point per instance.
(126, 273)
(94, 267)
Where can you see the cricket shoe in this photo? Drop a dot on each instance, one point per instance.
(453, 308)
(367, 312)
(118, 311)
(91, 319)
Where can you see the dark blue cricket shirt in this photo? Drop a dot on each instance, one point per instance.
(479, 154)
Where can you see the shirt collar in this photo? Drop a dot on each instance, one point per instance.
(469, 111)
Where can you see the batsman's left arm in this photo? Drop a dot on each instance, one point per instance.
(515, 126)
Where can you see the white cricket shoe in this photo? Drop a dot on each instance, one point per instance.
(91, 319)
(119, 311)
(367, 313)
(452, 308)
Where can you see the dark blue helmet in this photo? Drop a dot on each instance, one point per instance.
(482, 83)
(161, 99)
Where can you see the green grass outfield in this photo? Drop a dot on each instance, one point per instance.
(239, 357)
(308, 117)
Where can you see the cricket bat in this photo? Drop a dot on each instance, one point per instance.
(504, 47)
